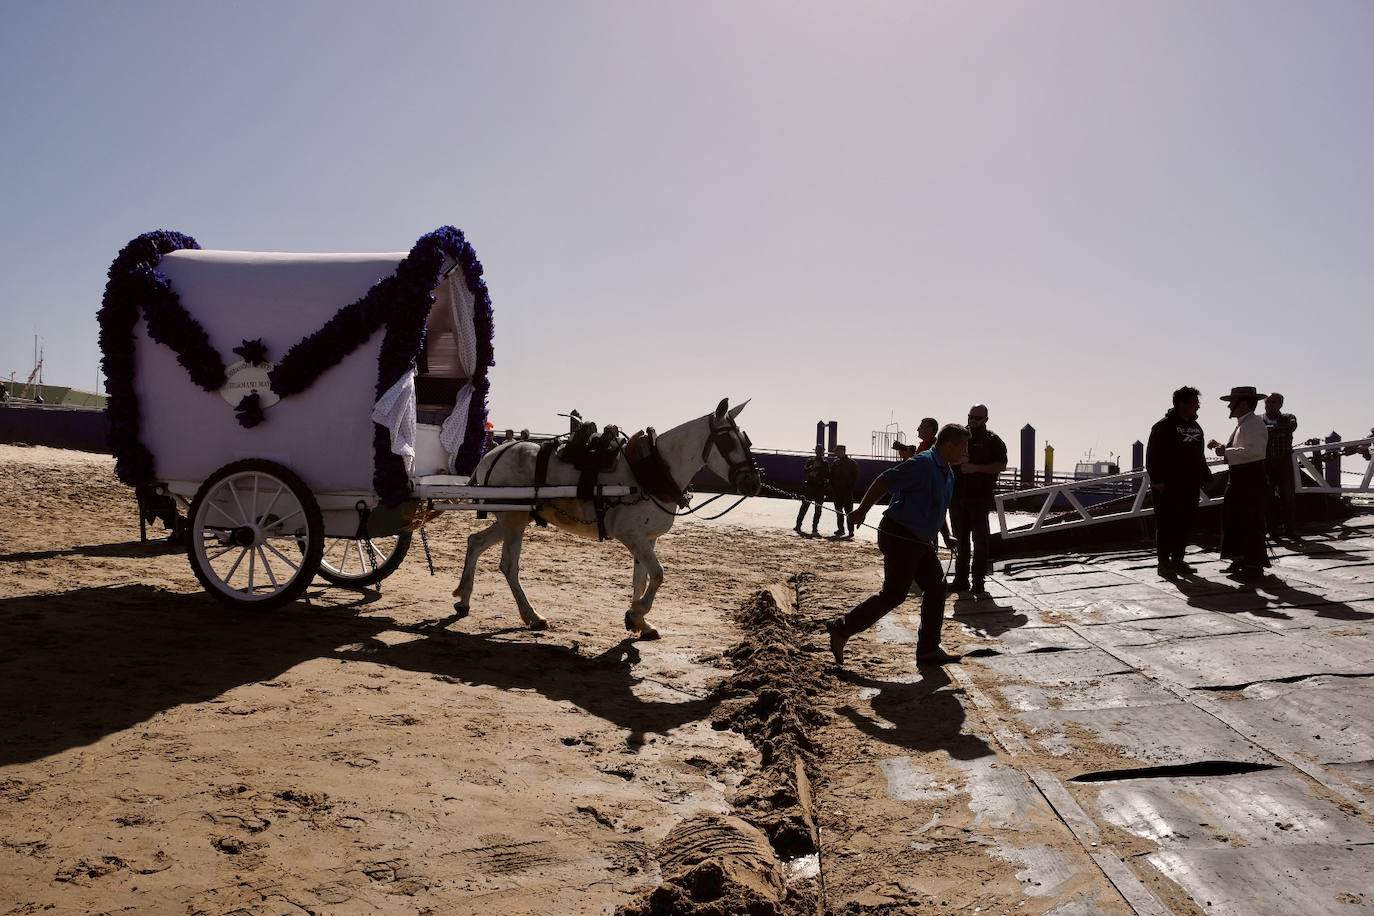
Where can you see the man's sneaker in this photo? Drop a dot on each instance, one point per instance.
(958, 585)
(980, 594)
(837, 641)
(936, 657)
(797, 528)
(1166, 571)
(1184, 567)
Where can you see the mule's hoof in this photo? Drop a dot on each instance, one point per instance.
(540, 624)
(460, 610)
(649, 633)
(630, 623)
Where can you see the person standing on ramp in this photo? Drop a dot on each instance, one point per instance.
(1177, 465)
(974, 486)
(1242, 511)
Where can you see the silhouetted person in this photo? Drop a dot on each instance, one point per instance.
(974, 484)
(920, 490)
(844, 477)
(1278, 465)
(1242, 512)
(816, 481)
(1177, 464)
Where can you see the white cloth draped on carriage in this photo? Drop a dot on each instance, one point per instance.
(325, 433)
(451, 353)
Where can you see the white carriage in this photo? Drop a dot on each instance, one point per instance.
(300, 406)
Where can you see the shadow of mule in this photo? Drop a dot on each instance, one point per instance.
(602, 685)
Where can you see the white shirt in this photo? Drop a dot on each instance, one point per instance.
(1249, 441)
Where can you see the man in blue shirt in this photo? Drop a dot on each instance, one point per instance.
(920, 488)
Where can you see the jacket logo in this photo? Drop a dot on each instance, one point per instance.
(1189, 434)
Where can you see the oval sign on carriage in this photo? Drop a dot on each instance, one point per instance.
(242, 379)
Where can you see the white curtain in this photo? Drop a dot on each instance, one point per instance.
(395, 410)
(461, 304)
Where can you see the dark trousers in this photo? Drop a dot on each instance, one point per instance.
(842, 510)
(970, 519)
(1175, 510)
(1242, 515)
(906, 559)
(1280, 509)
(807, 500)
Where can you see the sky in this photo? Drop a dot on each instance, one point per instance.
(857, 211)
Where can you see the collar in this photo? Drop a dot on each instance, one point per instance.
(939, 462)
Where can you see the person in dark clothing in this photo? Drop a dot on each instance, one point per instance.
(844, 476)
(816, 482)
(974, 484)
(1242, 511)
(1177, 464)
(920, 490)
(1278, 466)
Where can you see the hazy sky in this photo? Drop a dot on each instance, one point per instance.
(855, 210)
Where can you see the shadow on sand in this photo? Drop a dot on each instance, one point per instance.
(128, 550)
(80, 665)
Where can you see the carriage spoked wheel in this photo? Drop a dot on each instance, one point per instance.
(256, 535)
(353, 562)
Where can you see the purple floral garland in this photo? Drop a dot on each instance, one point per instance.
(400, 303)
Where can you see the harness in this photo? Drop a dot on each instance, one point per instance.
(593, 454)
(651, 471)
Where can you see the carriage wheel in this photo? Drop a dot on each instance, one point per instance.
(256, 534)
(353, 563)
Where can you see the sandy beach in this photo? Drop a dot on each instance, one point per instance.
(369, 752)
(363, 751)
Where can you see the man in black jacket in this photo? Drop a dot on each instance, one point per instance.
(815, 485)
(844, 476)
(975, 482)
(1177, 464)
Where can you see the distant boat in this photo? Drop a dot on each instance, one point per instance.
(1091, 468)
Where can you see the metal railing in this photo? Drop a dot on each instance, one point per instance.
(1077, 515)
(1312, 459)
(1318, 460)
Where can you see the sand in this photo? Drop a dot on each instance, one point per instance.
(367, 752)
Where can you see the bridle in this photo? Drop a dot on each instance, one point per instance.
(724, 437)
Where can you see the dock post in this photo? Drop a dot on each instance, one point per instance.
(820, 434)
(1333, 462)
(1049, 464)
(1028, 456)
(1137, 461)
(833, 434)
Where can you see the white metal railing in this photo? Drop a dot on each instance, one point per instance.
(1070, 491)
(1307, 457)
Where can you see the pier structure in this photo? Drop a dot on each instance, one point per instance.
(1199, 746)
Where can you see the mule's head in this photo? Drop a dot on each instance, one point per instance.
(727, 450)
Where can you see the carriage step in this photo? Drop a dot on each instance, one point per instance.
(448, 487)
(484, 507)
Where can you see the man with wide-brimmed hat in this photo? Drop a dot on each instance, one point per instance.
(1242, 519)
